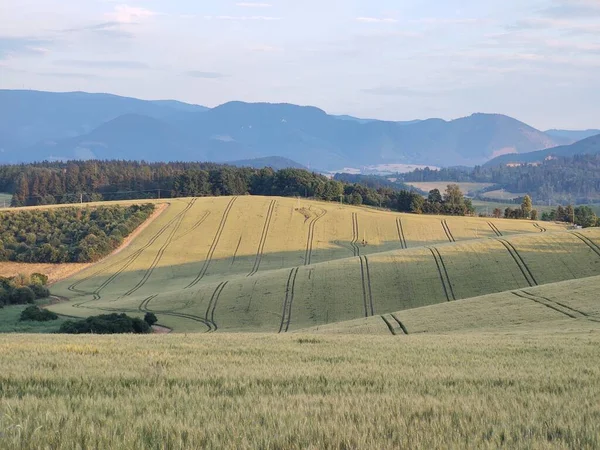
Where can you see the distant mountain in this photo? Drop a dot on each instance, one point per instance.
(274, 162)
(41, 125)
(588, 146)
(572, 134)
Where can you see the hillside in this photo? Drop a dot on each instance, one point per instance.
(572, 135)
(42, 125)
(587, 146)
(296, 264)
(274, 162)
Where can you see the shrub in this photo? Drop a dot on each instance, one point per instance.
(37, 314)
(39, 278)
(40, 291)
(106, 324)
(150, 318)
(22, 296)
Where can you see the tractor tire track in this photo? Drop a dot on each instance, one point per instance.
(542, 229)
(311, 236)
(404, 330)
(368, 273)
(401, 233)
(286, 316)
(263, 238)
(495, 229)
(587, 241)
(389, 325)
(144, 308)
(194, 227)
(160, 253)
(212, 306)
(447, 231)
(213, 247)
(237, 248)
(355, 234)
(446, 277)
(537, 300)
(562, 305)
(365, 275)
(439, 268)
(520, 262)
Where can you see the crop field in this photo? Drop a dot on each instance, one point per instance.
(276, 264)
(571, 305)
(466, 188)
(503, 195)
(301, 391)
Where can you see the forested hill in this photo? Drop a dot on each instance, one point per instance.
(75, 181)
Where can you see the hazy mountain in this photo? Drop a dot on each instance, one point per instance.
(40, 125)
(274, 162)
(590, 145)
(572, 135)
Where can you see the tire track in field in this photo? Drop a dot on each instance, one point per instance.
(237, 248)
(562, 305)
(263, 238)
(402, 327)
(144, 308)
(587, 241)
(311, 236)
(212, 306)
(542, 229)
(194, 227)
(389, 325)
(160, 253)
(447, 230)
(213, 246)
(365, 275)
(534, 298)
(286, 316)
(355, 233)
(128, 260)
(401, 233)
(445, 282)
(73, 287)
(495, 229)
(519, 261)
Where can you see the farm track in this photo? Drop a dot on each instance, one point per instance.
(587, 241)
(194, 227)
(495, 229)
(365, 274)
(127, 260)
(214, 245)
(400, 324)
(355, 234)
(311, 236)
(212, 306)
(562, 305)
(237, 248)
(547, 304)
(263, 238)
(286, 316)
(542, 229)
(160, 253)
(519, 261)
(144, 308)
(443, 272)
(447, 231)
(389, 325)
(401, 233)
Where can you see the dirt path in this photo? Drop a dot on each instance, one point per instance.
(157, 329)
(58, 272)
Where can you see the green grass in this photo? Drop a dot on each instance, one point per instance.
(10, 323)
(5, 200)
(263, 391)
(467, 188)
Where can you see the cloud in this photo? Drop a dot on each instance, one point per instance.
(130, 14)
(242, 18)
(205, 75)
(399, 91)
(111, 29)
(134, 65)
(376, 20)
(253, 5)
(571, 26)
(14, 46)
(572, 9)
(85, 76)
(450, 21)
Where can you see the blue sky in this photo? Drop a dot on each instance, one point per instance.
(536, 60)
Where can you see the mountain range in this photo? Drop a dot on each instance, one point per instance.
(38, 125)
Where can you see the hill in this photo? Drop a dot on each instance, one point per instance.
(588, 146)
(274, 162)
(40, 125)
(572, 135)
(295, 264)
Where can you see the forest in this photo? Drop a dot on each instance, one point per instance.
(70, 234)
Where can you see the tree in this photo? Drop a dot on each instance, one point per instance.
(22, 296)
(526, 206)
(534, 214)
(435, 196)
(497, 213)
(454, 195)
(150, 318)
(416, 205)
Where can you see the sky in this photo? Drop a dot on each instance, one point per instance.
(535, 60)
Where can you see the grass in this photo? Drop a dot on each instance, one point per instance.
(5, 200)
(503, 195)
(266, 264)
(10, 323)
(265, 391)
(467, 188)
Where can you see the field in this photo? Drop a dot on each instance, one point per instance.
(274, 392)
(5, 200)
(466, 188)
(277, 264)
(9, 322)
(501, 194)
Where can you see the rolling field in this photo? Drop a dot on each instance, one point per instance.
(277, 264)
(466, 188)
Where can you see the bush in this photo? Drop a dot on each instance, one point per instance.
(39, 278)
(106, 324)
(150, 318)
(40, 291)
(22, 296)
(37, 314)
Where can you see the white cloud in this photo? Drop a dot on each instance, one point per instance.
(376, 20)
(265, 48)
(130, 14)
(253, 5)
(242, 18)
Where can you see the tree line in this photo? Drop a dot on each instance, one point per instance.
(68, 234)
